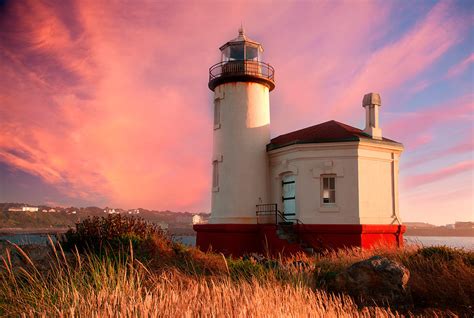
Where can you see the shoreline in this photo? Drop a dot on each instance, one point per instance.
(61, 230)
(18, 230)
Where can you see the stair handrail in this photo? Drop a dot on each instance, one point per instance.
(272, 209)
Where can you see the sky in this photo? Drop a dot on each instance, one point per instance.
(106, 103)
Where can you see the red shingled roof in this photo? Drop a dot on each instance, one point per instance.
(330, 131)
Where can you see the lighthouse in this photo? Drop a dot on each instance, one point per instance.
(327, 186)
(241, 83)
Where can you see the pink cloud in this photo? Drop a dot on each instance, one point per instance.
(460, 67)
(435, 176)
(314, 63)
(397, 63)
(112, 101)
(464, 146)
(416, 128)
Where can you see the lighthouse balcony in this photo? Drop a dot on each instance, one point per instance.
(241, 71)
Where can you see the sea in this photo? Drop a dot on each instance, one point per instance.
(43, 239)
(451, 241)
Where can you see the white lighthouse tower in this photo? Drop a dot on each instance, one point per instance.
(241, 83)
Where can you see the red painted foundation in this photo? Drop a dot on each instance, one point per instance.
(240, 239)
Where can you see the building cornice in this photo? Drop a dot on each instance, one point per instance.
(377, 145)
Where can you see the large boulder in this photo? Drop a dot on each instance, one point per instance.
(376, 280)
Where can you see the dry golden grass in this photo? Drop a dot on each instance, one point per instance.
(188, 283)
(98, 287)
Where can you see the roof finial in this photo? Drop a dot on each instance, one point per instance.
(241, 29)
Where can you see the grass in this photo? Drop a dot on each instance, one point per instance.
(165, 279)
(103, 287)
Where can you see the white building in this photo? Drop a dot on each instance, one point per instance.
(15, 209)
(328, 185)
(24, 209)
(197, 219)
(30, 209)
(111, 211)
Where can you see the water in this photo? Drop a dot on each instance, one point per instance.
(458, 242)
(23, 239)
(189, 240)
(42, 239)
(451, 241)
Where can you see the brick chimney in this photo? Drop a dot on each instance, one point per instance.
(371, 103)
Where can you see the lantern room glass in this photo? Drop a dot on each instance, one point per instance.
(241, 51)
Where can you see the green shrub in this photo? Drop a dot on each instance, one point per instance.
(117, 232)
(246, 269)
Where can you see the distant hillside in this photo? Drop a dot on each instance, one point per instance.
(464, 229)
(61, 218)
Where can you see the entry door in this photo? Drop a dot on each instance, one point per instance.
(289, 197)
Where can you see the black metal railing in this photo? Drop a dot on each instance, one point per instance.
(237, 68)
(267, 212)
(271, 212)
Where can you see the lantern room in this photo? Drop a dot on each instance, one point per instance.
(240, 49)
(241, 61)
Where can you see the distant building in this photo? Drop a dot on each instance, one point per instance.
(418, 225)
(15, 209)
(464, 225)
(197, 219)
(30, 209)
(24, 209)
(111, 211)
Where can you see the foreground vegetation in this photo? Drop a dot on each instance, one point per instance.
(132, 269)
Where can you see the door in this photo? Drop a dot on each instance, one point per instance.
(289, 197)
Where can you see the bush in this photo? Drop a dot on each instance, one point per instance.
(117, 232)
(444, 253)
(441, 277)
(247, 269)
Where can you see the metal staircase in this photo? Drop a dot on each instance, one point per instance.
(287, 229)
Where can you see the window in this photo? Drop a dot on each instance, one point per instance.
(217, 113)
(328, 189)
(237, 52)
(251, 53)
(215, 174)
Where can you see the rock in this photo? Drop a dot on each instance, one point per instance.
(378, 280)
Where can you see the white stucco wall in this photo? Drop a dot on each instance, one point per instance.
(378, 183)
(366, 185)
(240, 149)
